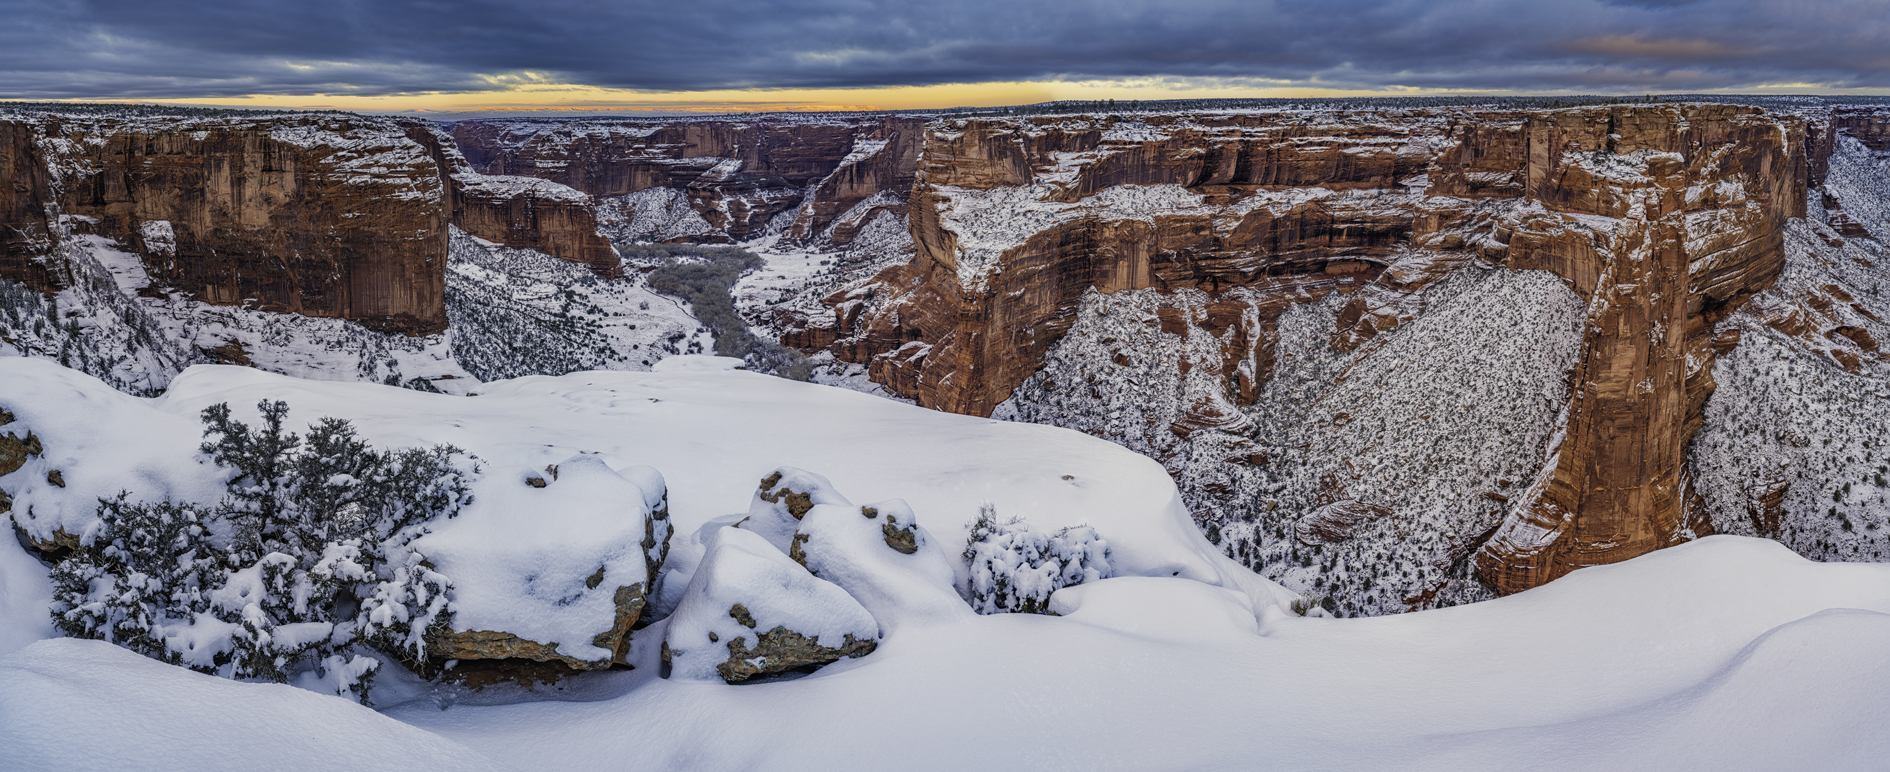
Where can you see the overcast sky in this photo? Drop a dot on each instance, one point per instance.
(163, 49)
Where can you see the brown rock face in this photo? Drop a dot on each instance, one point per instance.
(26, 239)
(444, 644)
(736, 175)
(517, 213)
(1678, 263)
(321, 215)
(1662, 218)
(521, 212)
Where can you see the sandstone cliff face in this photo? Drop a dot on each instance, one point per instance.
(521, 212)
(321, 215)
(1701, 230)
(1792, 445)
(713, 180)
(26, 240)
(1660, 219)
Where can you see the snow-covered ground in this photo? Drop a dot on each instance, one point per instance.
(1727, 653)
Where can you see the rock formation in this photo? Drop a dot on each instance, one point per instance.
(317, 214)
(1661, 219)
(716, 180)
(521, 212)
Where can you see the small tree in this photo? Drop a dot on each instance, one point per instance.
(304, 573)
(1015, 569)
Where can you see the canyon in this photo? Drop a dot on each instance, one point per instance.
(1393, 356)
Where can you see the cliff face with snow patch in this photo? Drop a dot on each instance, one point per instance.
(517, 211)
(321, 215)
(1180, 245)
(816, 179)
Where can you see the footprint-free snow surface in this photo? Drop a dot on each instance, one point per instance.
(1725, 653)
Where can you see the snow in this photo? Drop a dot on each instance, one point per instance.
(697, 363)
(544, 563)
(25, 599)
(987, 223)
(852, 547)
(713, 435)
(1787, 419)
(505, 187)
(521, 312)
(781, 499)
(1703, 656)
(89, 705)
(652, 214)
(742, 568)
(101, 442)
(1690, 656)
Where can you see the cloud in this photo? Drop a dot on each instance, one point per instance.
(215, 48)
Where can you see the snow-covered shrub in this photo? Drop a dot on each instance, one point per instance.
(306, 557)
(1015, 568)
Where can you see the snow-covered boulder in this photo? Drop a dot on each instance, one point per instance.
(750, 611)
(68, 440)
(551, 565)
(784, 496)
(882, 557)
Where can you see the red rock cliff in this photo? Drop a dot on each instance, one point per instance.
(522, 212)
(1661, 218)
(322, 215)
(736, 175)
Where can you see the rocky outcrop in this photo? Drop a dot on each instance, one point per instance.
(26, 203)
(735, 177)
(516, 211)
(530, 213)
(750, 611)
(1662, 219)
(560, 570)
(1701, 230)
(323, 215)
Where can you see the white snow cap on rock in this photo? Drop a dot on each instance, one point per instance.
(785, 495)
(100, 441)
(882, 557)
(525, 560)
(743, 569)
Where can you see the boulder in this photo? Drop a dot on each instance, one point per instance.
(750, 611)
(552, 572)
(785, 495)
(882, 557)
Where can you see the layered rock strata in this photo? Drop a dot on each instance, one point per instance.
(1661, 219)
(517, 211)
(322, 215)
(714, 180)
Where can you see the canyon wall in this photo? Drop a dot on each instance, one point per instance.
(712, 180)
(1661, 219)
(516, 211)
(320, 215)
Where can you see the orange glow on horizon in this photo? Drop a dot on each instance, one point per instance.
(536, 93)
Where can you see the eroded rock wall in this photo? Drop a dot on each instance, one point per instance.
(26, 233)
(1661, 219)
(517, 211)
(321, 215)
(713, 180)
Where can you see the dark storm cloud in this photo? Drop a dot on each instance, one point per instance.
(162, 48)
